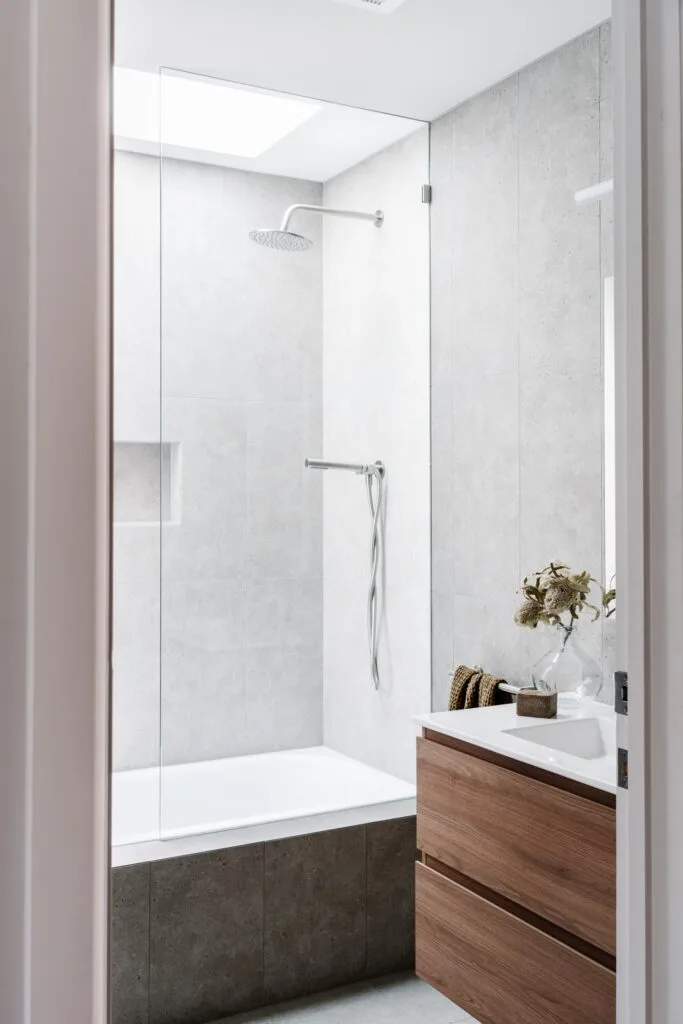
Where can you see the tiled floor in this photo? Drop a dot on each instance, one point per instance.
(400, 999)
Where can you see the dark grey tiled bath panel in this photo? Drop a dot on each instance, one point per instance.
(196, 939)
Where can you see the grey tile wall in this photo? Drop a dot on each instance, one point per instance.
(206, 936)
(517, 272)
(130, 912)
(199, 938)
(391, 849)
(232, 649)
(315, 912)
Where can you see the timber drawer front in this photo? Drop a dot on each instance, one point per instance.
(499, 968)
(549, 850)
(516, 893)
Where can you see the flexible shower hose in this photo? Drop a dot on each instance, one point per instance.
(376, 512)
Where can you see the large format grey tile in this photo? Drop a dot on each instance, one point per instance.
(561, 472)
(486, 482)
(206, 944)
(607, 171)
(391, 895)
(485, 221)
(130, 904)
(561, 83)
(136, 553)
(606, 60)
(284, 526)
(441, 235)
(284, 612)
(210, 540)
(284, 702)
(204, 664)
(315, 912)
(486, 634)
(136, 674)
(559, 273)
(220, 338)
(485, 124)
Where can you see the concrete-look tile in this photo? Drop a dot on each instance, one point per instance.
(130, 908)
(485, 123)
(136, 674)
(284, 612)
(485, 216)
(559, 246)
(485, 634)
(206, 948)
(203, 671)
(220, 339)
(607, 171)
(486, 482)
(442, 486)
(284, 698)
(315, 912)
(561, 83)
(442, 539)
(561, 491)
(136, 552)
(606, 60)
(391, 895)
(441, 238)
(209, 542)
(284, 527)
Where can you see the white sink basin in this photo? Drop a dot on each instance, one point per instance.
(589, 738)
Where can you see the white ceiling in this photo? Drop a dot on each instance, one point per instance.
(419, 61)
(335, 138)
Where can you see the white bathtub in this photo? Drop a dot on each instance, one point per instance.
(209, 805)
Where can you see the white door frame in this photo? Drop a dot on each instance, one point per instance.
(54, 510)
(649, 315)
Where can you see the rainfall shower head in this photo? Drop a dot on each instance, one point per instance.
(275, 238)
(289, 241)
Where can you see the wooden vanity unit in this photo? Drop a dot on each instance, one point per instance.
(515, 889)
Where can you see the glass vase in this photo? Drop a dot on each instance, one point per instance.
(567, 670)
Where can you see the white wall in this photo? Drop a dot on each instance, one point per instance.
(376, 406)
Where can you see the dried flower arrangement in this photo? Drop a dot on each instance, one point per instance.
(555, 591)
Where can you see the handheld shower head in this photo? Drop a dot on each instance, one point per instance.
(289, 241)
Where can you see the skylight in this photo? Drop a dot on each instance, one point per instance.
(195, 113)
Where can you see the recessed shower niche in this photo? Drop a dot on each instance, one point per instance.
(147, 482)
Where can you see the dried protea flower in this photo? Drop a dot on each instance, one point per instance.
(528, 614)
(554, 590)
(559, 597)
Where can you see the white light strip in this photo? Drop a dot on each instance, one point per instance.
(190, 112)
(594, 192)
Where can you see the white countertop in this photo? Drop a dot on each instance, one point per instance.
(489, 728)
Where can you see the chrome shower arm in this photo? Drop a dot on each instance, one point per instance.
(377, 217)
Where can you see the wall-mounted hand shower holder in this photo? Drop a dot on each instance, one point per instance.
(374, 474)
(352, 467)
